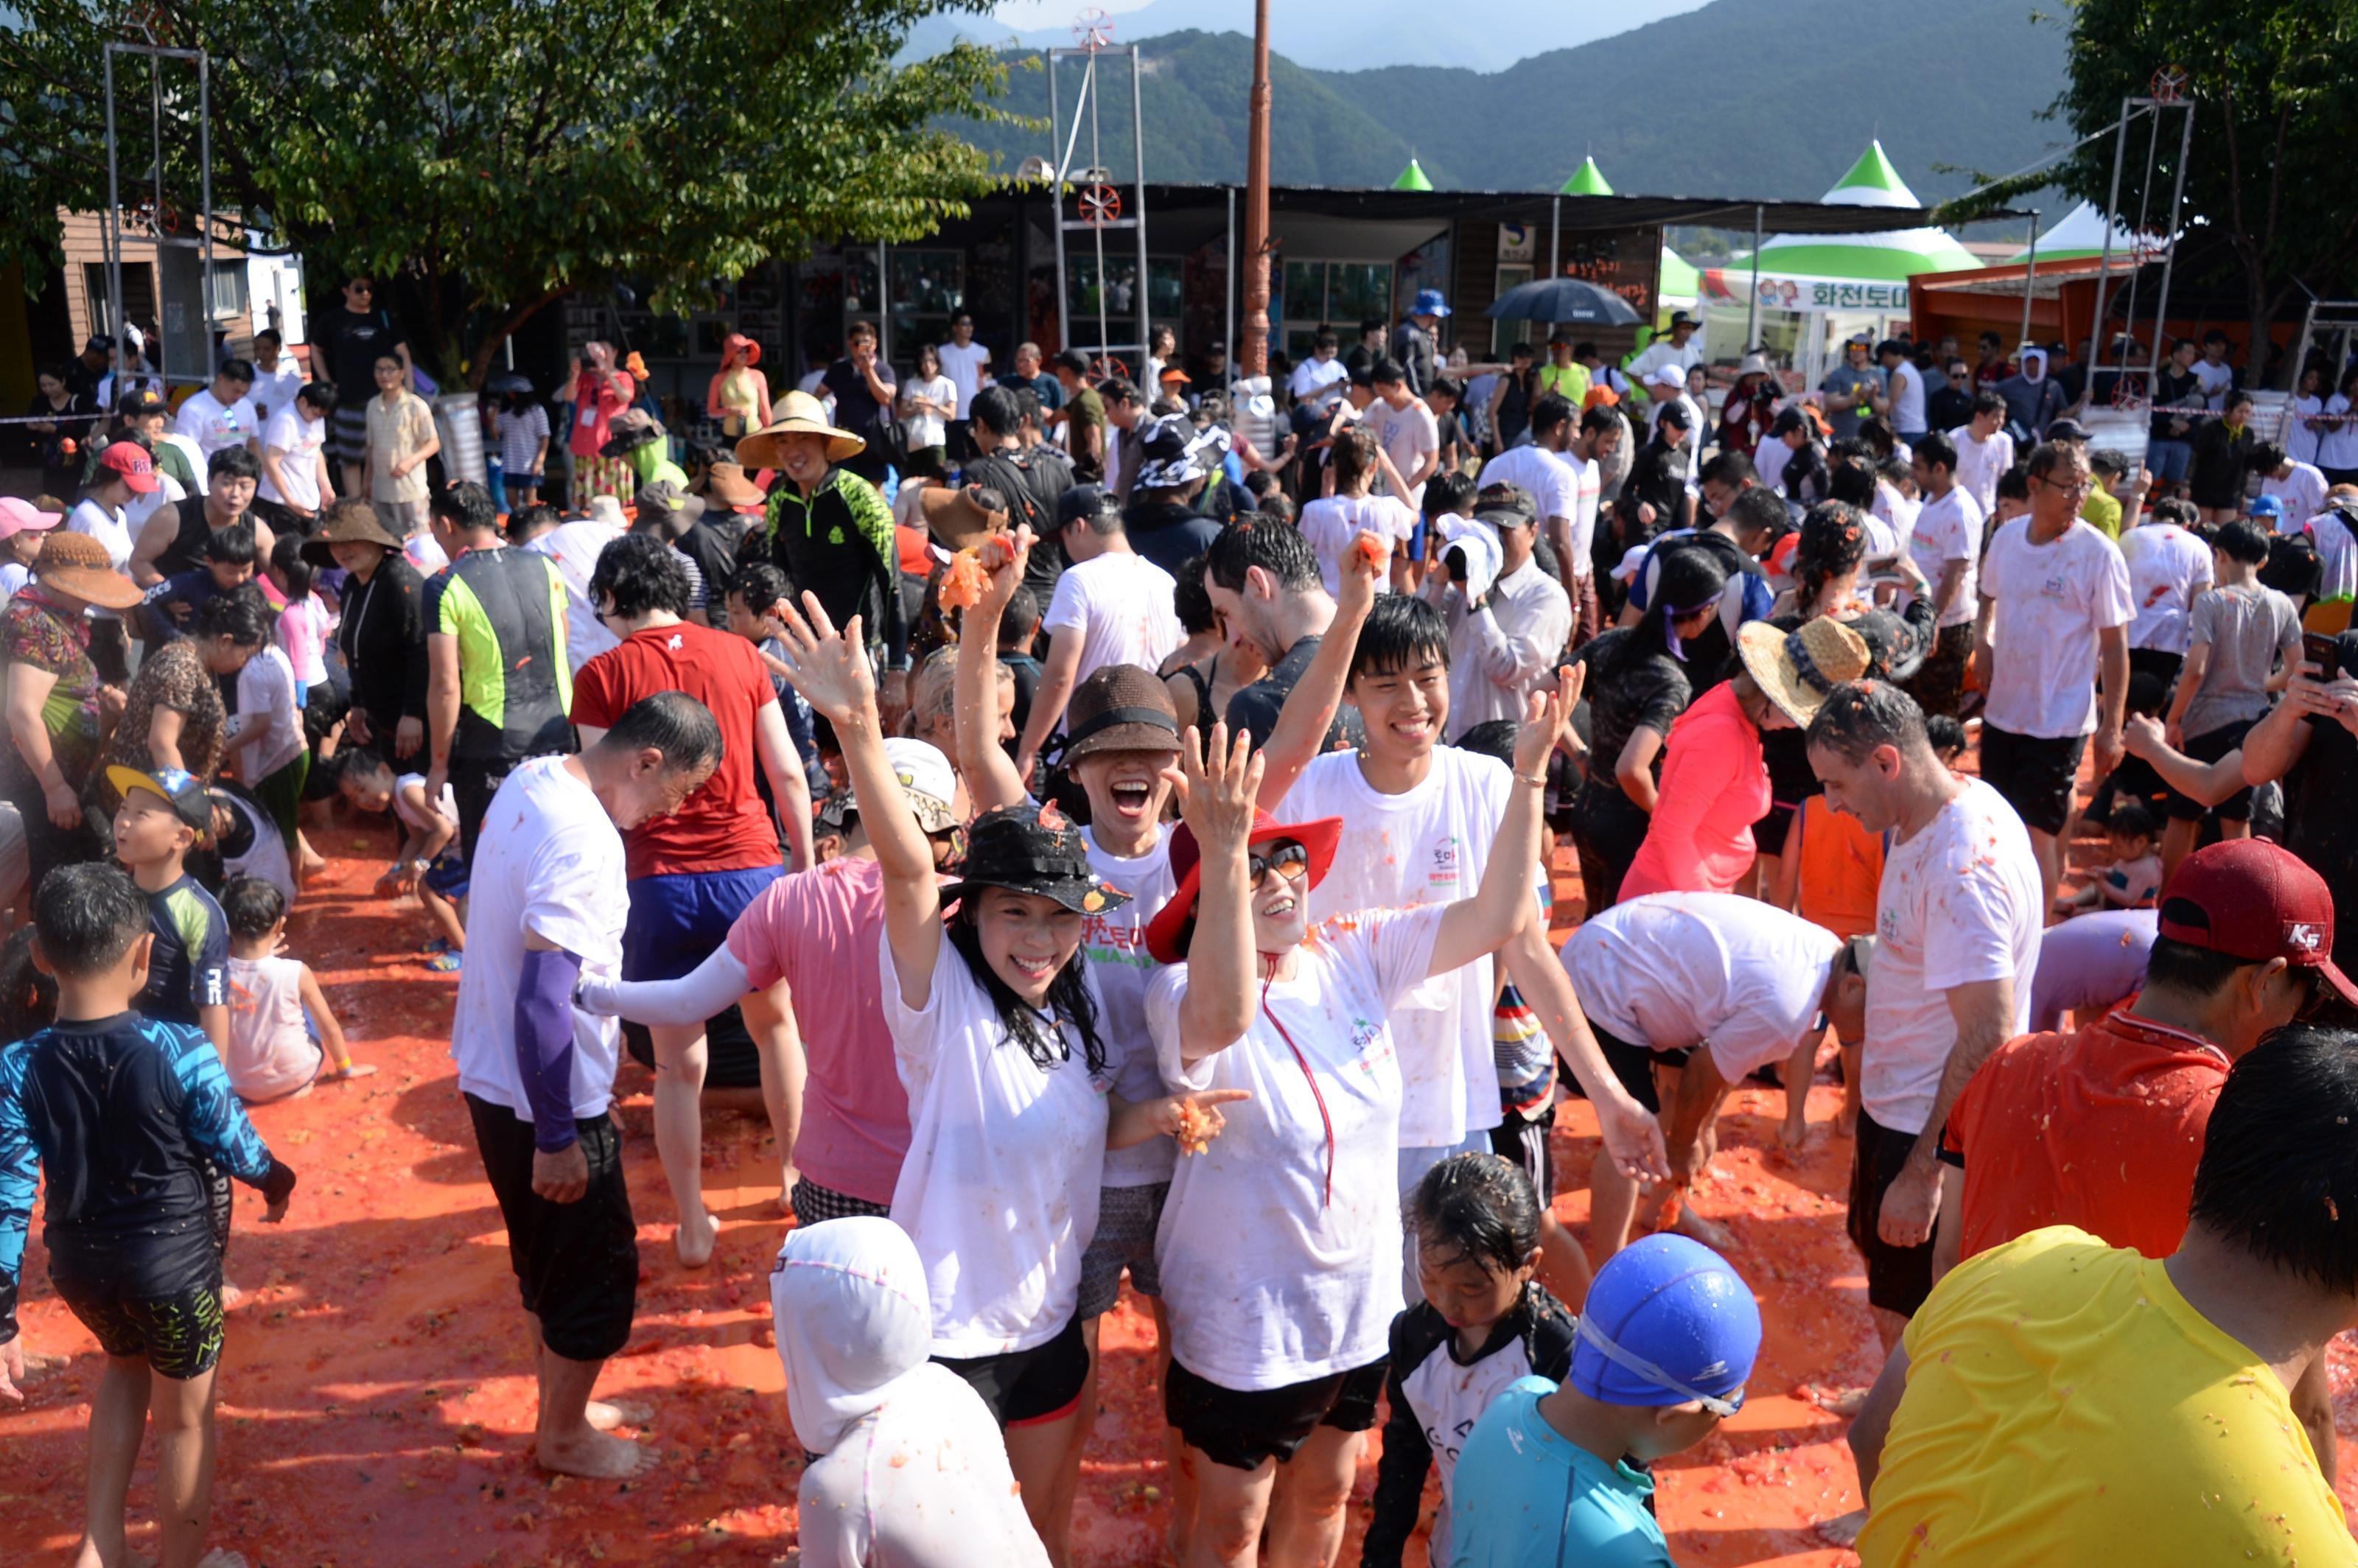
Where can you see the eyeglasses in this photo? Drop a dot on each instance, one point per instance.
(2077, 487)
(1286, 858)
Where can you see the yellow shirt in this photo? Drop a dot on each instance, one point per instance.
(2065, 1405)
(2102, 509)
(1569, 382)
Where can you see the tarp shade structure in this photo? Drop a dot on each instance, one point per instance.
(1885, 256)
(1679, 282)
(2078, 235)
(1412, 177)
(1587, 180)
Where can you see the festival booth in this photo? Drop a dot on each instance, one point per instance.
(1814, 290)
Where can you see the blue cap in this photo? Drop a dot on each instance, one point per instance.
(1668, 1321)
(1429, 303)
(2268, 506)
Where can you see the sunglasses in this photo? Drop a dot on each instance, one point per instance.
(1286, 858)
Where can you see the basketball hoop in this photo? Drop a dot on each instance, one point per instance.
(2169, 85)
(1100, 205)
(1093, 30)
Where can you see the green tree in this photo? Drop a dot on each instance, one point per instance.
(496, 155)
(2268, 172)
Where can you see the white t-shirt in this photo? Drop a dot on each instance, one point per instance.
(2337, 448)
(298, 441)
(1981, 464)
(1768, 460)
(1550, 479)
(999, 1189)
(214, 425)
(417, 817)
(1119, 604)
(929, 429)
(2336, 552)
(2215, 379)
(12, 578)
(114, 530)
(1409, 436)
(2302, 493)
(2053, 600)
(965, 367)
(574, 547)
(1907, 400)
(2301, 442)
(1947, 528)
(1583, 564)
(2168, 567)
(267, 685)
(1115, 941)
(550, 862)
(270, 1053)
(263, 853)
(1891, 522)
(275, 389)
(1331, 521)
(1280, 1247)
(1673, 970)
(1427, 846)
(200, 465)
(1318, 383)
(1960, 902)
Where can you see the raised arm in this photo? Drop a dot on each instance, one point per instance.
(1632, 1136)
(1216, 799)
(1502, 905)
(830, 669)
(1309, 710)
(992, 779)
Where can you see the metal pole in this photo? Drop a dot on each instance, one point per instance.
(1555, 250)
(2030, 272)
(1752, 310)
(114, 230)
(1254, 359)
(1229, 280)
(2111, 216)
(1097, 234)
(205, 166)
(1056, 206)
(155, 99)
(2170, 251)
(1145, 289)
(883, 305)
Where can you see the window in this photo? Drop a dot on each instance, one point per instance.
(1333, 293)
(225, 296)
(1164, 299)
(1506, 334)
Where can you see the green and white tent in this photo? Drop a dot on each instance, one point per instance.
(1412, 177)
(1680, 283)
(1586, 180)
(2078, 235)
(1887, 256)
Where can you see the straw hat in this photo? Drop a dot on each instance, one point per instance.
(348, 525)
(796, 414)
(1797, 669)
(77, 563)
(955, 518)
(725, 484)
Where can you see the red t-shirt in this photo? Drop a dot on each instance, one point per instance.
(2101, 1130)
(723, 827)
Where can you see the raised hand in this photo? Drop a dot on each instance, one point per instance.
(830, 668)
(1215, 796)
(1366, 567)
(1003, 558)
(1544, 720)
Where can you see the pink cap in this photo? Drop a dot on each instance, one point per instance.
(19, 516)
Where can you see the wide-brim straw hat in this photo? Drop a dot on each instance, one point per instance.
(348, 525)
(629, 431)
(955, 518)
(1797, 669)
(796, 414)
(78, 565)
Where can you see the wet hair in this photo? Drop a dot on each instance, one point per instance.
(1402, 632)
(319, 395)
(1859, 716)
(1278, 507)
(1274, 547)
(1068, 1000)
(2174, 509)
(995, 409)
(2046, 458)
(2241, 540)
(636, 573)
(1551, 409)
(232, 545)
(1491, 737)
(1188, 599)
(1448, 492)
(242, 617)
(760, 585)
(251, 907)
(233, 462)
(1475, 1208)
(1733, 470)
(671, 722)
(28, 998)
(1834, 541)
(1761, 510)
(466, 507)
(2265, 457)
(1936, 451)
(1353, 455)
(236, 370)
(532, 520)
(2112, 465)
(1852, 481)
(87, 917)
(1944, 732)
(2279, 1169)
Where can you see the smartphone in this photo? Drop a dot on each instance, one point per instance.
(2322, 650)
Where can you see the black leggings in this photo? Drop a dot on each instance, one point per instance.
(1607, 829)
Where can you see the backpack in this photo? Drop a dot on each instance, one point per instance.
(2294, 568)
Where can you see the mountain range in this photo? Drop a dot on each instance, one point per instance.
(1771, 98)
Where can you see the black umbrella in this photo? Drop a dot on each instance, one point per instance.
(506, 382)
(1563, 299)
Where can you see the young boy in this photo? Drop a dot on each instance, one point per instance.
(267, 738)
(171, 605)
(2131, 878)
(275, 1004)
(163, 814)
(428, 863)
(1668, 1337)
(1947, 734)
(1019, 632)
(127, 1116)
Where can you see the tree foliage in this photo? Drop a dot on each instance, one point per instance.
(496, 155)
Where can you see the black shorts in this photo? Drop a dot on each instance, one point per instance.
(2159, 663)
(1897, 1277)
(1241, 1428)
(1938, 683)
(180, 1333)
(1024, 1387)
(1633, 1065)
(577, 1264)
(2209, 747)
(2034, 772)
(1524, 1141)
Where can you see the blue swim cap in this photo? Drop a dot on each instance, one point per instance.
(1667, 1321)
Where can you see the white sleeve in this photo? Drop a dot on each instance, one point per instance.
(1398, 945)
(1164, 995)
(711, 988)
(1067, 612)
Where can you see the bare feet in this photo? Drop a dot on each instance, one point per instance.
(595, 1455)
(695, 1239)
(1847, 1123)
(1710, 1232)
(1843, 1529)
(231, 1295)
(605, 1415)
(1843, 1402)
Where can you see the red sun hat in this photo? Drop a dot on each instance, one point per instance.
(737, 342)
(2255, 901)
(1173, 926)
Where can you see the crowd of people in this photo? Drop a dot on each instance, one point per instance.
(885, 766)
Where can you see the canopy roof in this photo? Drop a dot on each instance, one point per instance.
(1679, 278)
(1586, 180)
(2078, 235)
(1412, 177)
(1881, 256)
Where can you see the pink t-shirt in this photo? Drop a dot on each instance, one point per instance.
(303, 638)
(1714, 787)
(820, 932)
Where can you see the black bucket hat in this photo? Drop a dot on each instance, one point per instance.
(1032, 850)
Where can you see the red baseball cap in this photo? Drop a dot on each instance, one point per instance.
(137, 469)
(2250, 899)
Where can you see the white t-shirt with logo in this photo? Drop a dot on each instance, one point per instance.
(1426, 846)
(1674, 969)
(550, 862)
(1120, 605)
(1981, 464)
(965, 368)
(1961, 901)
(2053, 600)
(1331, 521)
(1318, 383)
(1409, 436)
(1115, 941)
(298, 441)
(1947, 528)
(999, 1189)
(214, 425)
(2168, 567)
(1280, 1247)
